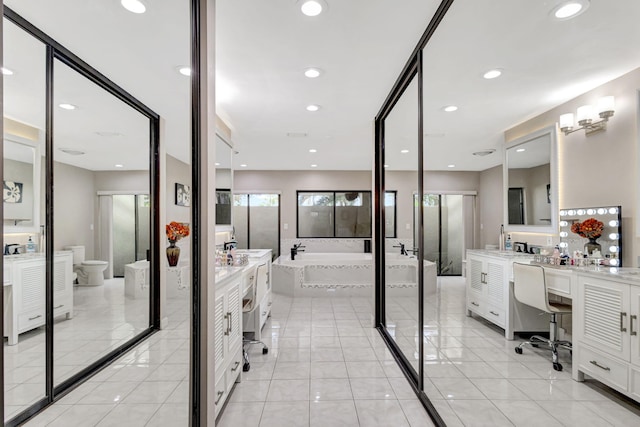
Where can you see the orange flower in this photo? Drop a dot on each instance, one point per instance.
(177, 230)
(590, 228)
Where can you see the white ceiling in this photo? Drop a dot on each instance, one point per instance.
(263, 47)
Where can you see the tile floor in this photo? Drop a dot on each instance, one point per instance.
(327, 367)
(103, 320)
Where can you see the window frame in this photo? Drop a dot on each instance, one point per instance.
(298, 192)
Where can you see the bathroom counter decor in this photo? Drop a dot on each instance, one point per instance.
(175, 231)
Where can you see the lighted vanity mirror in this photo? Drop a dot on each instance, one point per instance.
(21, 185)
(224, 180)
(593, 231)
(530, 187)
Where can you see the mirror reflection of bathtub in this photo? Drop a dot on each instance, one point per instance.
(348, 274)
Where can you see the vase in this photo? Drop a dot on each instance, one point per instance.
(592, 246)
(173, 253)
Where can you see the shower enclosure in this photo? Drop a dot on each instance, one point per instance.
(131, 222)
(256, 219)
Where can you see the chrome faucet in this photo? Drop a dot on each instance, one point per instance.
(7, 248)
(403, 251)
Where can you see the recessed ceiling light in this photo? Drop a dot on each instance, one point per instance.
(570, 9)
(451, 166)
(314, 166)
(66, 106)
(311, 7)
(184, 70)
(492, 74)
(404, 151)
(217, 163)
(386, 166)
(520, 150)
(243, 165)
(6, 71)
(135, 6)
(71, 151)
(119, 165)
(312, 73)
(450, 108)
(313, 107)
(313, 150)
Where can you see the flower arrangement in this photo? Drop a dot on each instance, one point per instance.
(590, 228)
(177, 230)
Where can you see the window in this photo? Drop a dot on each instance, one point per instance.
(334, 214)
(390, 214)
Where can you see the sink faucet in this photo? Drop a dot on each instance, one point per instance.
(295, 249)
(403, 251)
(7, 248)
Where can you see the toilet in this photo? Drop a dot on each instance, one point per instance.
(90, 272)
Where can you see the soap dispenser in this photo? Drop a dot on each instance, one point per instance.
(507, 245)
(31, 246)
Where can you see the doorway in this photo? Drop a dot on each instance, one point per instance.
(256, 219)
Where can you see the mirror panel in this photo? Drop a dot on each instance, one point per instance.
(594, 232)
(530, 184)
(101, 223)
(24, 275)
(224, 181)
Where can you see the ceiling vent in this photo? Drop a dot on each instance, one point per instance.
(483, 153)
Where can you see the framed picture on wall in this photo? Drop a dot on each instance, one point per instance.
(12, 192)
(548, 193)
(183, 195)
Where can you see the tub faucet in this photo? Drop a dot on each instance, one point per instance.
(7, 248)
(403, 251)
(295, 249)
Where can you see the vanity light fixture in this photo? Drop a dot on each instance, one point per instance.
(134, 6)
(5, 71)
(66, 106)
(605, 108)
(312, 72)
(492, 74)
(313, 150)
(313, 107)
(569, 9)
(450, 108)
(312, 7)
(184, 70)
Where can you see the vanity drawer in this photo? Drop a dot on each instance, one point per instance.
(604, 368)
(61, 307)
(558, 281)
(233, 369)
(265, 309)
(476, 305)
(221, 394)
(495, 315)
(31, 320)
(6, 271)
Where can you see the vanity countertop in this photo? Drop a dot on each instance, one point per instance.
(33, 255)
(499, 254)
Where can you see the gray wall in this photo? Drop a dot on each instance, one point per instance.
(490, 206)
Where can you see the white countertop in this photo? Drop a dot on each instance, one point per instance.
(499, 254)
(32, 255)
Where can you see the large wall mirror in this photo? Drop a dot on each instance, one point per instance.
(530, 182)
(224, 180)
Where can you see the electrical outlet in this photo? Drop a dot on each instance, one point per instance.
(549, 240)
(285, 226)
(408, 226)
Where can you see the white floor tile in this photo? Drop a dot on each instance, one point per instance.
(574, 413)
(241, 414)
(526, 413)
(372, 388)
(129, 415)
(81, 415)
(281, 414)
(380, 413)
(288, 390)
(479, 413)
(330, 389)
(333, 413)
(170, 415)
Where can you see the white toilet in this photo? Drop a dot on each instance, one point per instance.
(90, 272)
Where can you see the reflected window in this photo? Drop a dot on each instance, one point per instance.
(334, 214)
(390, 228)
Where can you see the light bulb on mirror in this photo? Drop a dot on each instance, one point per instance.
(602, 211)
(613, 211)
(563, 213)
(613, 236)
(613, 223)
(571, 212)
(563, 223)
(591, 211)
(613, 249)
(613, 261)
(563, 234)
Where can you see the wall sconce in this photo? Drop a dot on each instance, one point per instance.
(606, 106)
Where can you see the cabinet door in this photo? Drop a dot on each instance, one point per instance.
(234, 310)
(496, 286)
(474, 280)
(605, 316)
(634, 330)
(220, 331)
(30, 276)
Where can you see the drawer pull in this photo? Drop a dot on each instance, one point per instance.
(220, 394)
(594, 363)
(35, 317)
(60, 306)
(475, 303)
(235, 368)
(494, 313)
(622, 328)
(227, 330)
(230, 320)
(264, 313)
(631, 319)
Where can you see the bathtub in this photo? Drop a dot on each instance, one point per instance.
(347, 274)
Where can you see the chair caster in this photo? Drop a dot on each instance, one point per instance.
(265, 350)
(557, 366)
(246, 367)
(518, 350)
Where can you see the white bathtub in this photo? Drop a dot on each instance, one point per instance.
(347, 274)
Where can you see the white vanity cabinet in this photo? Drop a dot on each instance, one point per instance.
(228, 334)
(24, 284)
(490, 294)
(606, 331)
